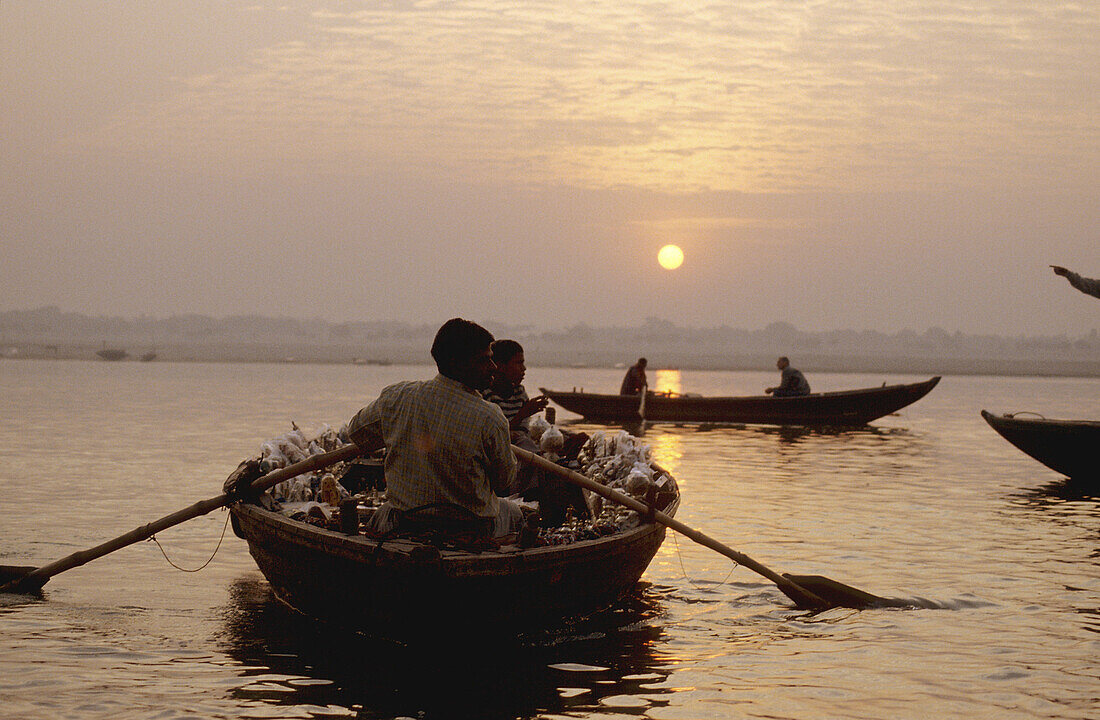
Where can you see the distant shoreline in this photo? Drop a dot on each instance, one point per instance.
(554, 355)
(49, 333)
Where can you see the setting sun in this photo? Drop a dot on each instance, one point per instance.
(670, 257)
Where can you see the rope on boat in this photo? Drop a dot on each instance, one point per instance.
(208, 561)
(691, 582)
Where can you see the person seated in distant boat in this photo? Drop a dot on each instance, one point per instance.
(634, 380)
(791, 382)
(448, 453)
(1089, 286)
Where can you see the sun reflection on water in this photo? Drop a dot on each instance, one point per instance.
(668, 380)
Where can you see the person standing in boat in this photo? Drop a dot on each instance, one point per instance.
(635, 379)
(791, 382)
(1089, 286)
(447, 450)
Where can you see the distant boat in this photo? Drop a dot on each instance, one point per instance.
(112, 354)
(848, 407)
(149, 356)
(1070, 447)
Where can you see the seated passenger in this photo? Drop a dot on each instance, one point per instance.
(506, 388)
(791, 382)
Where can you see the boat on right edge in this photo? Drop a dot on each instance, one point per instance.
(1069, 447)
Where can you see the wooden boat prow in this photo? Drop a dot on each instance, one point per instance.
(841, 408)
(1069, 447)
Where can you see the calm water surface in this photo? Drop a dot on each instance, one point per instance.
(929, 504)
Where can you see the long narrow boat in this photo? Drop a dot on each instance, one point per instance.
(395, 585)
(1070, 447)
(112, 354)
(848, 407)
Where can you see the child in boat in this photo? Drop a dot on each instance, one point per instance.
(507, 391)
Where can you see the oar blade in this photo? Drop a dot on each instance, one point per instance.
(13, 579)
(837, 594)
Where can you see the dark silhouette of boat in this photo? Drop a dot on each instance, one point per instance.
(847, 407)
(1069, 447)
(149, 356)
(113, 354)
(402, 585)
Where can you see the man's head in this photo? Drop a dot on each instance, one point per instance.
(642, 363)
(782, 362)
(461, 352)
(508, 357)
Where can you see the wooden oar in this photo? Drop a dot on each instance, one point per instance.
(33, 580)
(812, 592)
(641, 411)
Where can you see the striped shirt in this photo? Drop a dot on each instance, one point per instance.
(444, 444)
(509, 403)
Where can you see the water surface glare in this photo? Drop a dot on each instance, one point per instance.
(928, 505)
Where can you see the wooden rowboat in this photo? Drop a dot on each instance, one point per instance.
(398, 586)
(848, 407)
(1070, 447)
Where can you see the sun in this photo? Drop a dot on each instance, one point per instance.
(670, 257)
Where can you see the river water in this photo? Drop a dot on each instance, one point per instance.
(929, 504)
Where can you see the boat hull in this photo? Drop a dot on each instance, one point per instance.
(1069, 447)
(849, 407)
(401, 586)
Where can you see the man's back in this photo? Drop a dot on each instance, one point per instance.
(634, 381)
(444, 445)
(793, 382)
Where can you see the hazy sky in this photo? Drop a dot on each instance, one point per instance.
(832, 164)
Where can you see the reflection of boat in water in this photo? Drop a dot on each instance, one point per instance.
(847, 407)
(391, 586)
(1070, 447)
(112, 354)
(313, 664)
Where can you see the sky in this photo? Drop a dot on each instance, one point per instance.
(832, 164)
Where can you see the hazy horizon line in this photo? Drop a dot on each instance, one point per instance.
(514, 326)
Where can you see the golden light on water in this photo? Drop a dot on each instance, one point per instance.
(670, 257)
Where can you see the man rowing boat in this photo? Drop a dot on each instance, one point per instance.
(447, 450)
(634, 380)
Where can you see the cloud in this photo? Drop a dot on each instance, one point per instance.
(753, 96)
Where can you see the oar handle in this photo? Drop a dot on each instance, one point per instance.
(801, 596)
(37, 577)
(314, 462)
